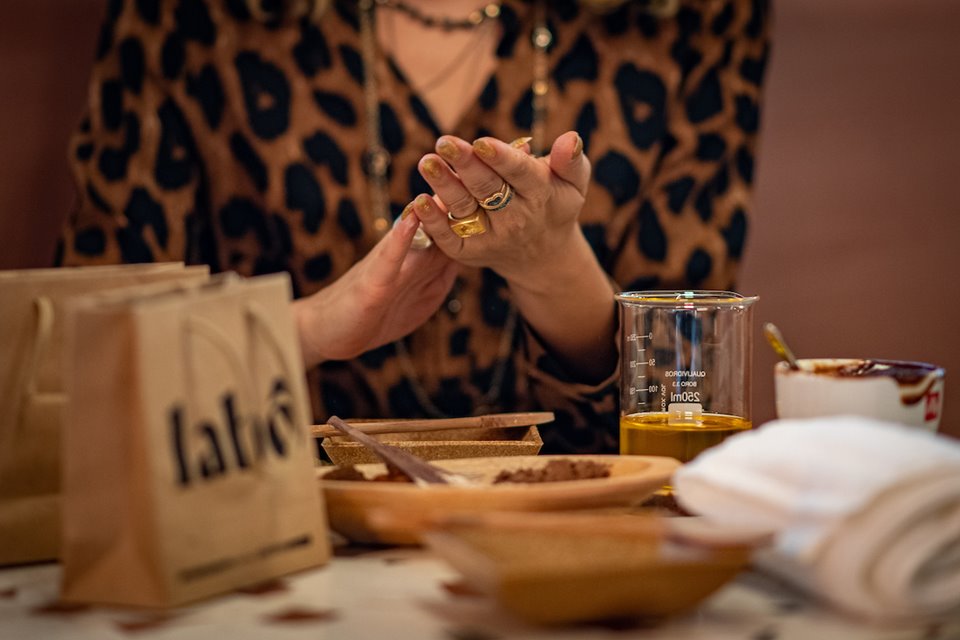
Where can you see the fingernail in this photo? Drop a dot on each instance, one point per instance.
(448, 150)
(519, 142)
(407, 210)
(484, 149)
(577, 147)
(431, 166)
(423, 202)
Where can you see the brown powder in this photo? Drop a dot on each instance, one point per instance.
(344, 473)
(559, 470)
(556, 471)
(351, 473)
(392, 475)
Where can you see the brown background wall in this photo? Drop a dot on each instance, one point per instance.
(46, 50)
(853, 248)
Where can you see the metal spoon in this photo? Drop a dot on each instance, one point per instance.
(775, 338)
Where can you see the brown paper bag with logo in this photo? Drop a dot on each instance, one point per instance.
(31, 393)
(188, 468)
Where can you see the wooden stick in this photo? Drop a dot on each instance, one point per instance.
(420, 471)
(492, 421)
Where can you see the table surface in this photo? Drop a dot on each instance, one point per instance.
(410, 593)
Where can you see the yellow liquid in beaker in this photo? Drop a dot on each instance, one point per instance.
(649, 434)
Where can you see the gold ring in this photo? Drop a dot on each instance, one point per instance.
(472, 225)
(498, 200)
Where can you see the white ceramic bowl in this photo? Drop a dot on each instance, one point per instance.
(818, 389)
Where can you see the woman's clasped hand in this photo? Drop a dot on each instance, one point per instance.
(537, 223)
(498, 206)
(494, 205)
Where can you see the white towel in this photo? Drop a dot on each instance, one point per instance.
(867, 513)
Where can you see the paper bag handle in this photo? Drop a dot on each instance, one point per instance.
(211, 333)
(202, 328)
(215, 336)
(42, 330)
(259, 320)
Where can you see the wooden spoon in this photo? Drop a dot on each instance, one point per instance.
(420, 471)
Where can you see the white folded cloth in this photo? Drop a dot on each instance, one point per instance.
(867, 513)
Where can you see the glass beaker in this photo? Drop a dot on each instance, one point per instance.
(685, 365)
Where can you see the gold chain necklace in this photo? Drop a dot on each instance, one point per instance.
(472, 21)
(439, 78)
(378, 164)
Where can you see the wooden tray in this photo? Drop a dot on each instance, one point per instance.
(574, 567)
(442, 445)
(397, 513)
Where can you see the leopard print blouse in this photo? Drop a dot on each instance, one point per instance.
(213, 136)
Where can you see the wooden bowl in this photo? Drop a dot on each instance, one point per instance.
(564, 568)
(396, 513)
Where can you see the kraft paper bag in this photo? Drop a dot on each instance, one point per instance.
(188, 468)
(32, 397)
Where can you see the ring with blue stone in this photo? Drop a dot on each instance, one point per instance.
(498, 200)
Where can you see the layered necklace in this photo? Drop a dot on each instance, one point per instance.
(378, 163)
(473, 20)
(473, 26)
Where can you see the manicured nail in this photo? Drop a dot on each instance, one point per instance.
(407, 210)
(448, 150)
(484, 149)
(577, 148)
(423, 202)
(431, 166)
(519, 142)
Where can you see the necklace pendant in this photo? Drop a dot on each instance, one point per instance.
(378, 160)
(542, 37)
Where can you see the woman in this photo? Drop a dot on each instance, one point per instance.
(263, 136)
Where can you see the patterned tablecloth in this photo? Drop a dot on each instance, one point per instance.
(409, 593)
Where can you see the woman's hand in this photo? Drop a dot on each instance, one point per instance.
(383, 297)
(534, 242)
(534, 232)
